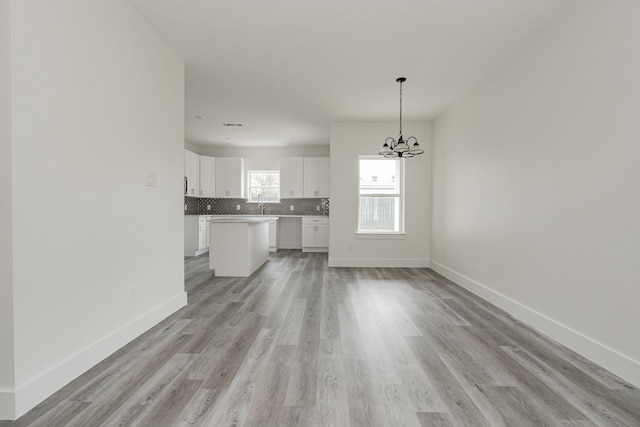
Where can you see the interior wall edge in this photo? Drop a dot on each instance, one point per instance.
(27, 396)
(609, 358)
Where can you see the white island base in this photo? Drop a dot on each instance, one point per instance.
(238, 246)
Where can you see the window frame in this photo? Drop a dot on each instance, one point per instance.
(249, 186)
(400, 195)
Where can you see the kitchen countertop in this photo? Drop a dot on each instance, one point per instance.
(243, 219)
(262, 216)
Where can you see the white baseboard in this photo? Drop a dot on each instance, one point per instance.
(26, 396)
(379, 262)
(289, 245)
(621, 365)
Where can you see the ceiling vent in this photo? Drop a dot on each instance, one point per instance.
(232, 124)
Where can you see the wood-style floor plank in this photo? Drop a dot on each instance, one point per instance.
(301, 344)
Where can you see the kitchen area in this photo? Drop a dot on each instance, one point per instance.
(238, 209)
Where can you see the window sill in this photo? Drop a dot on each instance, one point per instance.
(380, 236)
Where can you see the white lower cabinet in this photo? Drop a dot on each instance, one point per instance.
(315, 234)
(273, 235)
(195, 235)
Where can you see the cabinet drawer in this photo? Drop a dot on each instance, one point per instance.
(315, 221)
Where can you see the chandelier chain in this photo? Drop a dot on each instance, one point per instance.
(401, 109)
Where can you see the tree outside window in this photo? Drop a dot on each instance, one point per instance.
(264, 186)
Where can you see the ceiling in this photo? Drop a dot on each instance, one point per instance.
(286, 69)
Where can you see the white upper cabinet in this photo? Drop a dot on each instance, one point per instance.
(291, 177)
(229, 177)
(316, 177)
(207, 176)
(192, 173)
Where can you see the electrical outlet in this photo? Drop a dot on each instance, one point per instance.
(208, 207)
(318, 208)
(185, 207)
(291, 207)
(237, 207)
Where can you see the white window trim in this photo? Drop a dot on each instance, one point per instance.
(249, 185)
(381, 235)
(390, 235)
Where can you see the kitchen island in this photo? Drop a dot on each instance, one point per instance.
(238, 245)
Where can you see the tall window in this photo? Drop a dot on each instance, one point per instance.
(381, 204)
(264, 186)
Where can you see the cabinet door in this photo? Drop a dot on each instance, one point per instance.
(235, 177)
(187, 164)
(207, 176)
(192, 172)
(221, 174)
(229, 175)
(202, 233)
(191, 238)
(322, 236)
(308, 236)
(273, 235)
(291, 177)
(310, 177)
(316, 177)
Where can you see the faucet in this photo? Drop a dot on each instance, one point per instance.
(261, 205)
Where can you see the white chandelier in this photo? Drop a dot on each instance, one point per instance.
(400, 148)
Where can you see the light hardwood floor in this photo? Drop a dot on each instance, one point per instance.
(301, 344)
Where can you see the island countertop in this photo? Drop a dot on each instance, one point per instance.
(243, 219)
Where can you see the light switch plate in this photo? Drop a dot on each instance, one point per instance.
(151, 179)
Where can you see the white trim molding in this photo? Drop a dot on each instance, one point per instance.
(620, 364)
(379, 262)
(15, 403)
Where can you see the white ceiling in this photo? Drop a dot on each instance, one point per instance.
(286, 69)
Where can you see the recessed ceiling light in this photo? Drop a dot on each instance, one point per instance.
(198, 117)
(227, 138)
(232, 124)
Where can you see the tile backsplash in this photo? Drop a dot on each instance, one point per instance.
(196, 206)
(191, 206)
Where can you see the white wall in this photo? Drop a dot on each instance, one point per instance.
(346, 249)
(98, 103)
(536, 185)
(7, 380)
(261, 158)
